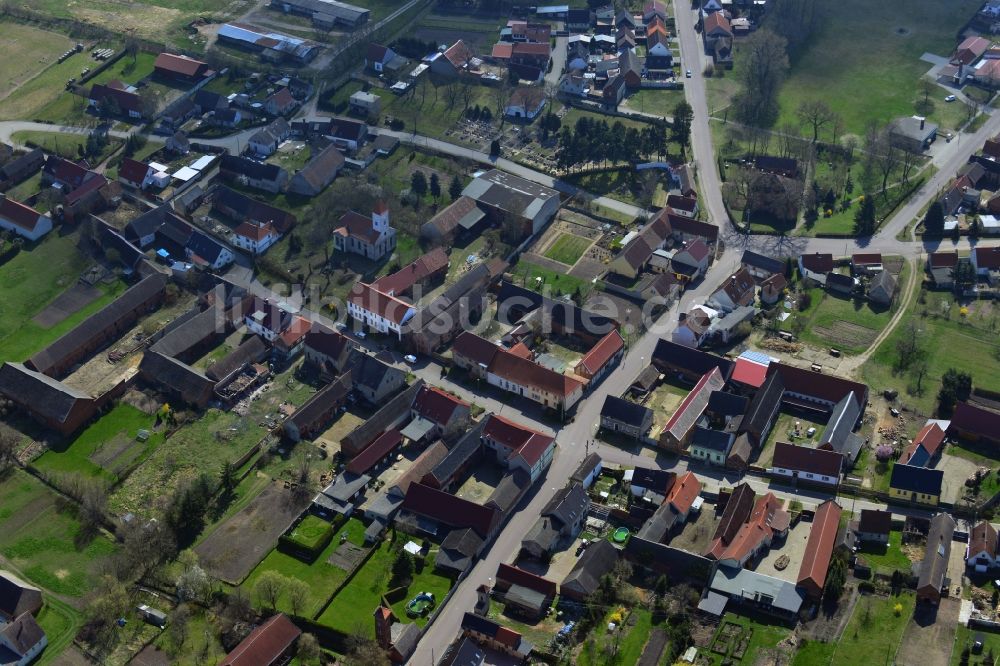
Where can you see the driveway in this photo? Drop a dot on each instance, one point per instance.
(558, 62)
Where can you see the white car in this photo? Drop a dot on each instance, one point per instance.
(361, 334)
(949, 98)
(687, 74)
(410, 358)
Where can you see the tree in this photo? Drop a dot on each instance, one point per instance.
(8, 450)
(178, 629)
(681, 129)
(307, 649)
(864, 218)
(185, 515)
(298, 595)
(402, 570)
(227, 479)
(455, 188)
(956, 386)
(435, 186)
(765, 64)
(194, 585)
(108, 602)
(816, 114)
(418, 183)
(934, 219)
(909, 348)
(836, 578)
(366, 652)
(269, 588)
(495, 147)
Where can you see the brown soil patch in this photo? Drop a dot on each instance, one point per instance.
(347, 556)
(930, 632)
(847, 333)
(238, 544)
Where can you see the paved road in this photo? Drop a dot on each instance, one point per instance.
(558, 62)
(9, 127)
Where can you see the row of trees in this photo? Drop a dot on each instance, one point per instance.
(597, 142)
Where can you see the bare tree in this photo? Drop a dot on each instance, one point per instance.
(765, 64)
(298, 595)
(788, 136)
(467, 94)
(452, 94)
(816, 114)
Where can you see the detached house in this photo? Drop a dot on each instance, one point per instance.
(23, 220)
(916, 484)
(255, 238)
(318, 173)
(805, 464)
(738, 290)
(115, 99)
(626, 417)
(815, 266)
(267, 140)
(925, 448)
(377, 310)
(981, 554)
(561, 521)
(874, 526)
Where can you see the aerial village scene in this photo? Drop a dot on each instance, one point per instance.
(489, 333)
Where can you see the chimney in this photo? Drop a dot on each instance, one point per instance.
(922, 120)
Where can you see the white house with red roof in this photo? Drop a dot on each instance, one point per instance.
(603, 356)
(683, 495)
(448, 414)
(255, 238)
(135, 173)
(985, 260)
(280, 103)
(371, 237)
(518, 446)
(23, 220)
(377, 310)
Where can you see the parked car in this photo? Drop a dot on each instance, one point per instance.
(410, 358)
(361, 334)
(341, 326)
(949, 98)
(687, 74)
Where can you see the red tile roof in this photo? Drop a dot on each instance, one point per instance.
(521, 440)
(819, 385)
(178, 64)
(698, 250)
(749, 372)
(375, 452)
(356, 225)
(817, 263)
(475, 348)
(697, 399)
(767, 517)
(521, 349)
(983, 539)
(435, 405)
(266, 644)
(19, 214)
(133, 171)
(976, 421)
(684, 492)
(819, 548)
(601, 353)
(988, 257)
(943, 259)
(931, 436)
(458, 54)
(282, 99)
(866, 259)
(254, 232)
(515, 576)
(525, 372)
(370, 299)
(91, 185)
(502, 50)
(717, 20)
(804, 459)
(296, 331)
(419, 270)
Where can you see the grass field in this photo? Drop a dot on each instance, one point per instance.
(875, 73)
(568, 249)
(889, 558)
(527, 274)
(66, 145)
(971, 347)
(964, 637)
(655, 101)
(368, 586)
(814, 653)
(115, 430)
(35, 50)
(128, 69)
(874, 630)
(29, 281)
(824, 322)
(25, 102)
(322, 578)
(39, 535)
(630, 645)
(311, 532)
(60, 621)
(765, 636)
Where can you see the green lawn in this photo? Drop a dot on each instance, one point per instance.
(568, 248)
(127, 69)
(814, 653)
(964, 637)
(66, 145)
(971, 347)
(764, 637)
(322, 578)
(311, 532)
(821, 319)
(874, 630)
(114, 430)
(864, 59)
(526, 274)
(362, 595)
(630, 644)
(29, 281)
(886, 558)
(655, 101)
(618, 183)
(60, 621)
(39, 534)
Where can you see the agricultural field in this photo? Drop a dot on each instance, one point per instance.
(936, 316)
(33, 95)
(874, 75)
(33, 279)
(36, 49)
(107, 449)
(42, 538)
(568, 249)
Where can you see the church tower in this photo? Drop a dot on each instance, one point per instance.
(380, 217)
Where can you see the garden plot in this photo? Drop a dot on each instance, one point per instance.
(698, 531)
(237, 545)
(481, 483)
(846, 334)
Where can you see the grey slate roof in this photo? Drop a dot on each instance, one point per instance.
(624, 411)
(391, 414)
(598, 560)
(47, 397)
(459, 454)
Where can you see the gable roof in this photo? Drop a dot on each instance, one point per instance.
(416, 271)
(624, 411)
(436, 405)
(695, 361)
(934, 567)
(804, 459)
(875, 521)
(598, 560)
(132, 170)
(763, 262)
(817, 262)
(265, 644)
(737, 511)
(19, 214)
(323, 168)
(943, 259)
(391, 413)
(602, 352)
(987, 257)
(829, 388)
(515, 576)
(450, 510)
(178, 64)
(17, 597)
(694, 404)
(375, 452)
(684, 492)
(766, 518)
(930, 438)
(982, 539)
(819, 547)
(522, 440)
(526, 372)
(911, 478)
(22, 635)
(975, 420)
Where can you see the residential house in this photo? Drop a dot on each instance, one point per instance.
(434, 510)
(801, 463)
(626, 417)
(815, 266)
(975, 424)
(379, 58)
(691, 261)
(588, 471)
(932, 578)
(21, 640)
(981, 553)
(228, 118)
(455, 60)
(180, 68)
(258, 175)
(266, 141)
(925, 448)
(913, 133)
(397, 639)
(255, 238)
(838, 435)
(115, 99)
(766, 522)
(447, 415)
(738, 290)
(560, 522)
(598, 560)
(204, 251)
(874, 526)
(135, 174)
(687, 364)
(686, 206)
(327, 349)
(986, 261)
(346, 134)
(654, 9)
(736, 506)
(838, 283)
(375, 381)
(970, 50)
(866, 263)
(772, 289)
(23, 220)
(17, 597)
(280, 103)
(371, 237)
(206, 101)
(909, 483)
(882, 289)
(819, 550)
(761, 267)
(241, 208)
(677, 432)
(525, 593)
(378, 311)
(601, 358)
(711, 446)
(365, 104)
(490, 635)
(269, 644)
(517, 446)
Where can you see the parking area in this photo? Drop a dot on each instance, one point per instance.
(788, 556)
(956, 471)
